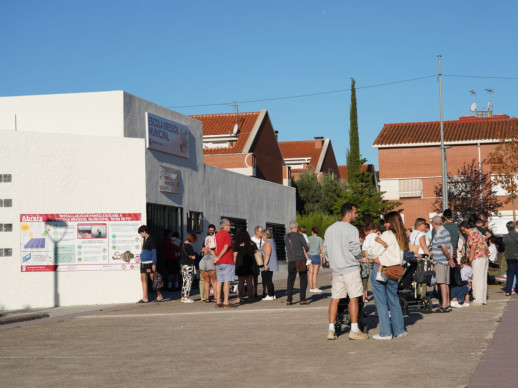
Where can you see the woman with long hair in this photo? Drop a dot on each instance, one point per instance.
(244, 249)
(385, 292)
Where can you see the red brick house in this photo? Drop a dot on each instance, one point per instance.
(317, 153)
(242, 142)
(410, 158)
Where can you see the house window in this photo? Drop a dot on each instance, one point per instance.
(6, 252)
(410, 188)
(194, 222)
(6, 178)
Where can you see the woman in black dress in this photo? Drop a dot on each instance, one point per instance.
(244, 249)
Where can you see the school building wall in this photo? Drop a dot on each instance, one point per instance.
(63, 173)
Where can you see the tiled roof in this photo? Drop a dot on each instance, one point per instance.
(466, 129)
(302, 149)
(223, 124)
(365, 167)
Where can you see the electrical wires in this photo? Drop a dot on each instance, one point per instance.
(341, 90)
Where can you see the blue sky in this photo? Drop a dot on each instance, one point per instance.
(178, 53)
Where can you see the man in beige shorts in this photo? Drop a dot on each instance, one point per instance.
(343, 250)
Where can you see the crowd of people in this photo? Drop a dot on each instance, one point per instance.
(461, 254)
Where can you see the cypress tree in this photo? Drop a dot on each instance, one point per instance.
(353, 153)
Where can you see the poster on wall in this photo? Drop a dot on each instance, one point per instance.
(169, 180)
(167, 136)
(80, 242)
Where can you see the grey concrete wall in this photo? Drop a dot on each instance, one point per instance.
(191, 169)
(257, 201)
(203, 188)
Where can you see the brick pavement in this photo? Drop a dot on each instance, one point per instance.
(259, 344)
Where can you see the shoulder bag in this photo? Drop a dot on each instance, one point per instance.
(394, 272)
(259, 260)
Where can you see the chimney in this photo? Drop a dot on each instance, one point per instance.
(319, 141)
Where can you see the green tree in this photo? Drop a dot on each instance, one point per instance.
(331, 188)
(353, 153)
(363, 193)
(318, 196)
(308, 192)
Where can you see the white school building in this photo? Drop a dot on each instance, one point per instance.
(79, 173)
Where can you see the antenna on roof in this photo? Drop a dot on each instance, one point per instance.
(473, 107)
(490, 103)
(236, 126)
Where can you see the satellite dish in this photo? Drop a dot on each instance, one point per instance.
(473, 107)
(235, 130)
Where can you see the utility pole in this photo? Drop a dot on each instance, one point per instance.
(444, 168)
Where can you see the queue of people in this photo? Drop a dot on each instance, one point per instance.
(460, 254)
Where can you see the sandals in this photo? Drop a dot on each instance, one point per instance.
(143, 301)
(443, 310)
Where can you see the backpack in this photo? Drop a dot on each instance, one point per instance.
(210, 242)
(424, 272)
(456, 278)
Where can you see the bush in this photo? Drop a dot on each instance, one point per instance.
(323, 221)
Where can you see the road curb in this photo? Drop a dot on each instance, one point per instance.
(15, 318)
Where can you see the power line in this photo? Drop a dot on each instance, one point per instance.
(305, 95)
(341, 90)
(478, 76)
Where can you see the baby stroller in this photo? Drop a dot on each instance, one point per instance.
(412, 288)
(343, 317)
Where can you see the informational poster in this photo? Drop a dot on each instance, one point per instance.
(167, 136)
(169, 180)
(80, 242)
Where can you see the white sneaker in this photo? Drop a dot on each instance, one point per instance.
(315, 290)
(384, 338)
(466, 304)
(455, 304)
(268, 297)
(403, 334)
(187, 300)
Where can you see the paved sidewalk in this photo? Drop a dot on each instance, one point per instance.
(260, 344)
(498, 367)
